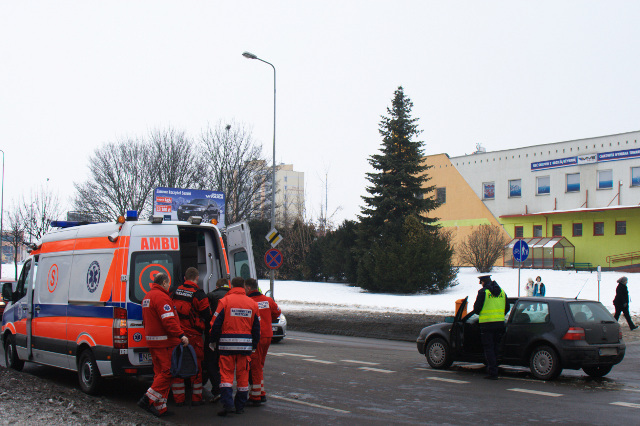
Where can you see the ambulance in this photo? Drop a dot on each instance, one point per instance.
(77, 302)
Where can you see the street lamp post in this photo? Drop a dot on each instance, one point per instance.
(1, 216)
(249, 55)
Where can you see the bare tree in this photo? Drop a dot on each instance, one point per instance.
(37, 212)
(483, 247)
(122, 178)
(234, 164)
(175, 162)
(15, 234)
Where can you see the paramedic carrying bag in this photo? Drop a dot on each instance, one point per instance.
(184, 362)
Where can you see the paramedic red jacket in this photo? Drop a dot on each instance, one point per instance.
(236, 324)
(192, 306)
(268, 310)
(161, 323)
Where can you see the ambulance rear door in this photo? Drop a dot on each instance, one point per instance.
(240, 252)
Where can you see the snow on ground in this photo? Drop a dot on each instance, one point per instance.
(300, 295)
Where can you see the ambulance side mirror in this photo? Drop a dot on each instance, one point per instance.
(7, 292)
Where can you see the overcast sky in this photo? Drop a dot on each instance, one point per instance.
(506, 74)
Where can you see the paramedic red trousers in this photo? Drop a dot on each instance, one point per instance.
(239, 364)
(177, 384)
(257, 369)
(159, 390)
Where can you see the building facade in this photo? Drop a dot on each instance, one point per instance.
(289, 196)
(587, 191)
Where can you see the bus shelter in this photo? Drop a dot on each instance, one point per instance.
(544, 253)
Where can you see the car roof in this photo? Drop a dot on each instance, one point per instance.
(555, 299)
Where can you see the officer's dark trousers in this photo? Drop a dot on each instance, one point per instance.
(491, 333)
(625, 311)
(211, 359)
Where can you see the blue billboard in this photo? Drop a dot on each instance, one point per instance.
(179, 204)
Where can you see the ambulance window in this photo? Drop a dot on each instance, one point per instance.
(21, 287)
(145, 266)
(241, 264)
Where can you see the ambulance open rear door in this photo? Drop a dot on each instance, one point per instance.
(240, 252)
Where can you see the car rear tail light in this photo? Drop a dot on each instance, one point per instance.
(620, 334)
(574, 333)
(120, 331)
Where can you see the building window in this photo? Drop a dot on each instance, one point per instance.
(519, 232)
(598, 228)
(544, 185)
(605, 179)
(537, 230)
(488, 191)
(573, 182)
(621, 227)
(557, 230)
(635, 176)
(515, 188)
(441, 195)
(577, 230)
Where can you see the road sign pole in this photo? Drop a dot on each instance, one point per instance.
(519, 268)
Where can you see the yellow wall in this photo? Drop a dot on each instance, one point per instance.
(463, 210)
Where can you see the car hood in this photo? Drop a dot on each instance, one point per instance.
(192, 206)
(442, 328)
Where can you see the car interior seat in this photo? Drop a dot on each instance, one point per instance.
(580, 317)
(522, 318)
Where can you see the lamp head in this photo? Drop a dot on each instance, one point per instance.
(249, 55)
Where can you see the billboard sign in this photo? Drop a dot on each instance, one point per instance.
(179, 204)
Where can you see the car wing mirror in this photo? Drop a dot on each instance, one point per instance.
(7, 292)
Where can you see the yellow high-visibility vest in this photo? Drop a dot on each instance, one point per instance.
(493, 308)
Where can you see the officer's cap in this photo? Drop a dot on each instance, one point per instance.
(485, 278)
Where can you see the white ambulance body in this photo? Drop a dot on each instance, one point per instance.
(88, 281)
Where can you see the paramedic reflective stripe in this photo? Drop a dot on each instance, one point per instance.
(238, 342)
(156, 338)
(168, 314)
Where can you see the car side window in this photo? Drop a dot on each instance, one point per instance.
(529, 312)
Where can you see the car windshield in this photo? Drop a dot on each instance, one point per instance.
(200, 201)
(589, 312)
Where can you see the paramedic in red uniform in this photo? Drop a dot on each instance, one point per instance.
(269, 312)
(192, 305)
(235, 328)
(164, 333)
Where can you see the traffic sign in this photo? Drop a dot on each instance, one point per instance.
(273, 258)
(274, 237)
(520, 251)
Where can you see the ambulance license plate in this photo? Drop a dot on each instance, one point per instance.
(145, 358)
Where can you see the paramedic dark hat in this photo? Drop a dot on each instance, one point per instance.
(485, 278)
(622, 280)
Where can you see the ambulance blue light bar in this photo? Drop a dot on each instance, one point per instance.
(68, 223)
(132, 215)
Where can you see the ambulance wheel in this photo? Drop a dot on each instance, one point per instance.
(88, 374)
(11, 354)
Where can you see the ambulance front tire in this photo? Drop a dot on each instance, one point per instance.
(11, 354)
(88, 373)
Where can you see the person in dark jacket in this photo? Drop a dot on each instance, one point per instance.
(491, 305)
(621, 302)
(212, 357)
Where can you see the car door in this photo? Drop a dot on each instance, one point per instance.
(529, 319)
(240, 252)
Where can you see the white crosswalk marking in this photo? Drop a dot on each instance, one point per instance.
(288, 354)
(626, 404)
(442, 379)
(377, 370)
(310, 404)
(359, 362)
(535, 392)
(319, 361)
(435, 371)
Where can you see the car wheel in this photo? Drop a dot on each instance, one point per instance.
(276, 340)
(11, 354)
(88, 373)
(438, 354)
(545, 363)
(597, 371)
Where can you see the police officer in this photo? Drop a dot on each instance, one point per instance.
(212, 357)
(192, 306)
(235, 328)
(491, 306)
(269, 312)
(164, 333)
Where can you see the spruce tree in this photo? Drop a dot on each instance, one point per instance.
(390, 258)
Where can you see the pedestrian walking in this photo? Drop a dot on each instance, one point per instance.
(212, 357)
(235, 330)
(269, 312)
(192, 305)
(539, 287)
(621, 302)
(528, 288)
(163, 334)
(491, 305)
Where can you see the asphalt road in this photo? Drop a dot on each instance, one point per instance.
(319, 379)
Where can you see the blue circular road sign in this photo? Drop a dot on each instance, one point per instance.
(273, 258)
(520, 251)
